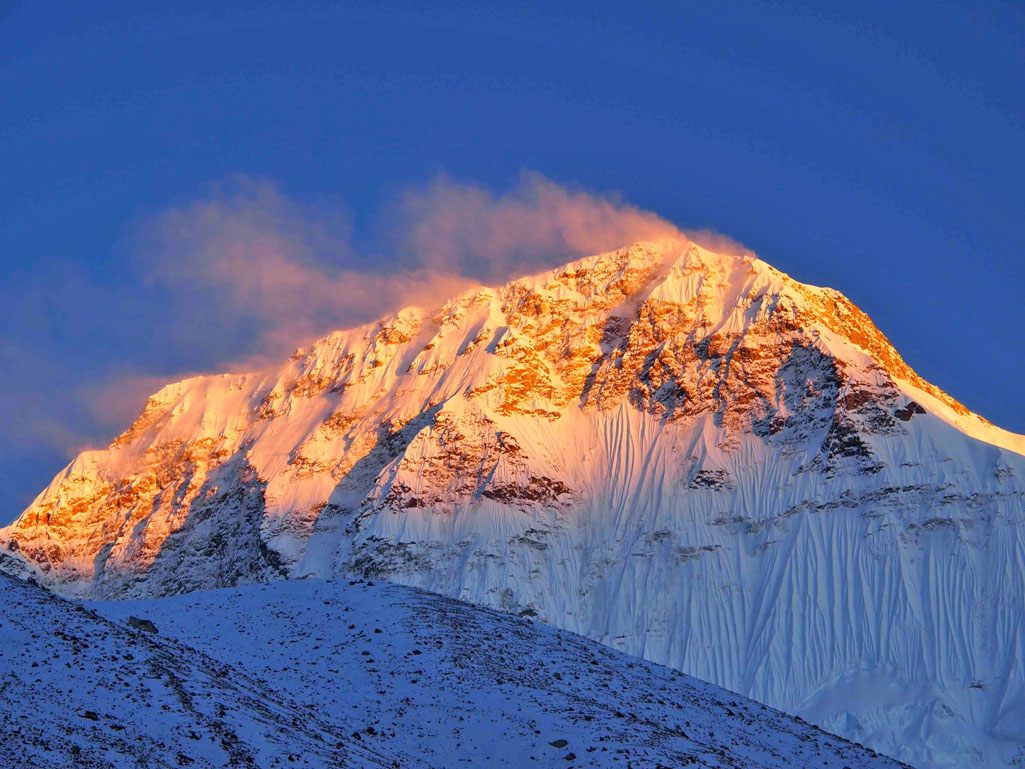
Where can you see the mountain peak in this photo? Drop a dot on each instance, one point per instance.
(643, 446)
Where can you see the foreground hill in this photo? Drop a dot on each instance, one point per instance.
(78, 690)
(428, 677)
(322, 674)
(687, 456)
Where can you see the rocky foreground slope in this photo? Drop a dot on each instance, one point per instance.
(78, 690)
(319, 674)
(684, 455)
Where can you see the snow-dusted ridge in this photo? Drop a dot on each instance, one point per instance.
(79, 690)
(685, 455)
(357, 676)
(425, 679)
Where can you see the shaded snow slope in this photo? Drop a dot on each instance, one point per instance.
(419, 675)
(686, 456)
(78, 690)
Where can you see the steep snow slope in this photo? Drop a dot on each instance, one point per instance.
(322, 675)
(453, 684)
(687, 456)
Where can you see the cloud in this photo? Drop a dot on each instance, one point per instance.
(264, 273)
(466, 229)
(47, 408)
(713, 240)
(51, 415)
(252, 274)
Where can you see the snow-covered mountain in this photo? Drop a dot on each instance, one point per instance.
(684, 455)
(357, 676)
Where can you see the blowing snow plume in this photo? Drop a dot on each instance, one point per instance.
(248, 268)
(466, 229)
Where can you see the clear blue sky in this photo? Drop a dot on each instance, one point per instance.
(875, 147)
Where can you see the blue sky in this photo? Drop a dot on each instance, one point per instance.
(873, 147)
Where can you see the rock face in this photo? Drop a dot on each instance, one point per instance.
(685, 455)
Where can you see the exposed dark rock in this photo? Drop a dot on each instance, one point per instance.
(709, 479)
(142, 624)
(905, 414)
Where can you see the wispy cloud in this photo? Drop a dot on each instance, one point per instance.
(467, 229)
(713, 240)
(247, 257)
(241, 276)
(247, 260)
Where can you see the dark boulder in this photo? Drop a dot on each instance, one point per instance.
(142, 624)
